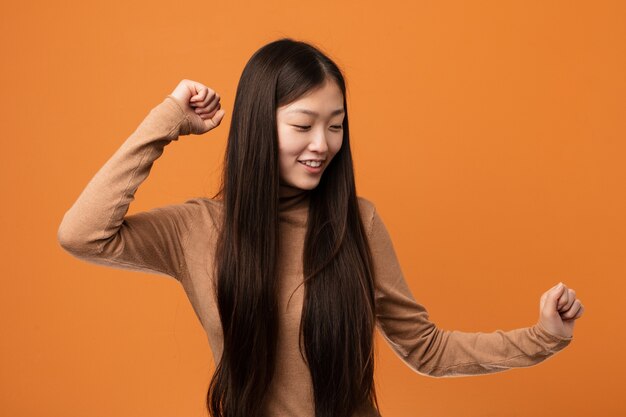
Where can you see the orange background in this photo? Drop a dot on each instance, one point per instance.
(489, 134)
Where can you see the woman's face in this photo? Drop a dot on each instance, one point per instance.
(309, 129)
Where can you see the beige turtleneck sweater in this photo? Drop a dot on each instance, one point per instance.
(177, 240)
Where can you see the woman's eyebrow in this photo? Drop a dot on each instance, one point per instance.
(311, 112)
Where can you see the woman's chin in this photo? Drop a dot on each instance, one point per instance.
(292, 188)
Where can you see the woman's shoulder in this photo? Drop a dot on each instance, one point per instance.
(203, 204)
(367, 209)
(206, 210)
(365, 203)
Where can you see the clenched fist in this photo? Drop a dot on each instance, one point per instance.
(201, 104)
(559, 309)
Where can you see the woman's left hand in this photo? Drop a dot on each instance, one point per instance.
(559, 309)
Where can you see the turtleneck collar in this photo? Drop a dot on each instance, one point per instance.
(292, 198)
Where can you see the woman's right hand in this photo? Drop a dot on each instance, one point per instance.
(201, 103)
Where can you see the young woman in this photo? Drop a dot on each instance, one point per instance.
(288, 270)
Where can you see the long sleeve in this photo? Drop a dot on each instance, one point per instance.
(405, 325)
(96, 228)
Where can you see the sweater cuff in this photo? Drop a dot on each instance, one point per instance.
(541, 329)
(180, 109)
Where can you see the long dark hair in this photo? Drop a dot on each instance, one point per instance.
(338, 315)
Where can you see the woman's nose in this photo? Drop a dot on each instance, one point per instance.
(319, 143)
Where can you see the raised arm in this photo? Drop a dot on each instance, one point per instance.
(96, 227)
(431, 351)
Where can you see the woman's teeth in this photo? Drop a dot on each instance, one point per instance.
(312, 163)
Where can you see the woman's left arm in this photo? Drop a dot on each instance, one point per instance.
(431, 351)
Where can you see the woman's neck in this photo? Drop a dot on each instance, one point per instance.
(292, 197)
(288, 191)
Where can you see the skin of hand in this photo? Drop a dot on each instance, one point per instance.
(201, 101)
(559, 309)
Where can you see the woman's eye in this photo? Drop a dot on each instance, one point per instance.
(307, 127)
